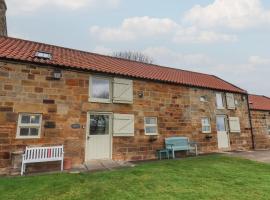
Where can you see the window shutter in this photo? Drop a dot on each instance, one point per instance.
(234, 125)
(122, 91)
(123, 125)
(230, 101)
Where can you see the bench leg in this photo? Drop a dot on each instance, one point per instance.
(62, 164)
(22, 168)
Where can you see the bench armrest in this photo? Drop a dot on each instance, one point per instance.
(169, 145)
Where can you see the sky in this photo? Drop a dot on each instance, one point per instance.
(226, 38)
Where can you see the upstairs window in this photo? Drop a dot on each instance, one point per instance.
(219, 101)
(100, 89)
(29, 125)
(206, 125)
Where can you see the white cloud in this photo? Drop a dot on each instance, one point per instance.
(134, 28)
(146, 27)
(29, 6)
(235, 14)
(193, 35)
(166, 56)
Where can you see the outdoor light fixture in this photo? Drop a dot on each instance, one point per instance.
(140, 94)
(57, 74)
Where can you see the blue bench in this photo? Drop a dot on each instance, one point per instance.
(180, 144)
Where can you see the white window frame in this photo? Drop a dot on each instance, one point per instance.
(222, 98)
(203, 99)
(100, 100)
(150, 125)
(208, 125)
(27, 125)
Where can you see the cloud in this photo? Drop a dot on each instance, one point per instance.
(235, 14)
(166, 56)
(135, 28)
(194, 35)
(29, 6)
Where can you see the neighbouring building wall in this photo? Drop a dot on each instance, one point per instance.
(26, 88)
(261, 128)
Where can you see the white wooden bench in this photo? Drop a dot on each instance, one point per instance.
(42, 154)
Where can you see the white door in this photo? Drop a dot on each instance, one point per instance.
(98, 138)
(222, 133)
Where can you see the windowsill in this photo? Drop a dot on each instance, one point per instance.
(151, 134)
(206, 132)
(91, 100)
(221, 108)
(27, 138)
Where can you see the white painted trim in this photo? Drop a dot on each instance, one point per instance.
(226, 128)
(88, 129)
(210, 131)
(150, 125)
(21, 125)
(223, 102)
(100, 100)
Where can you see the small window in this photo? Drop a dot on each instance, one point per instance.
(219, 101)
(203, 99)
(100, 90)
(43, 55)
(29, 125)
(150, 126)
(206, 126)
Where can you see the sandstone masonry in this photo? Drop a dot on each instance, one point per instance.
(28, 88)
(261, 128)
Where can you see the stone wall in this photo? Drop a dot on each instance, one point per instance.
(30, 88)
(260, 123)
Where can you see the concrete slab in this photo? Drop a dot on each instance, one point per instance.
(100, 165)
(259, 155)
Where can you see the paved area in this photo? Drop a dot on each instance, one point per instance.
(100, 165)
(260, 155)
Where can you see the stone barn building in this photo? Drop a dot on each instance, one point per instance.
(101, 107)
(260, 115)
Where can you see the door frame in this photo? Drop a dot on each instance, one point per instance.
(227, 131)
(110, 114)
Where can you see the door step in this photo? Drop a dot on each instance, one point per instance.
(100, 165)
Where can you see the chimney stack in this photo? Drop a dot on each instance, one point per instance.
(3, 22)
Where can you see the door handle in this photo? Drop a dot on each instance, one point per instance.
(88, 137)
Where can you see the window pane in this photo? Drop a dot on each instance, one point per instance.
(219, 100)
(151, 129)
(25, 119)
(206, 128)
(34, 131)
(100, 88)
(24, 132)
(35, 119)
(221, 124)
(99, 124)
(205, 122)
(150, 120)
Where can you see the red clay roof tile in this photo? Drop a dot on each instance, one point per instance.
(259, 102)
(23, 50)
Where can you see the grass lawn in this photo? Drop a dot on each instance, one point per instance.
(207, 177)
